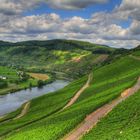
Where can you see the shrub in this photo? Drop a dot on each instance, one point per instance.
(40, 83)
(3, 84)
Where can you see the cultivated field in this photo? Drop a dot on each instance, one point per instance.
(39, 76)
(108, 83)
(14, 81)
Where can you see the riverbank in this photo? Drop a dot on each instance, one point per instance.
(11, 102)
(28, 84)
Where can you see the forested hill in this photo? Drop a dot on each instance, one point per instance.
(75, 58)
(59, 45)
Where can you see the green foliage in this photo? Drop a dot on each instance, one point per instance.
(40, 83)
(3, 84)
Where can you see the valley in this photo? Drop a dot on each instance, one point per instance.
(69, 69)
(99, 78)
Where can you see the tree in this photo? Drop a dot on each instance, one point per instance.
(40, 83)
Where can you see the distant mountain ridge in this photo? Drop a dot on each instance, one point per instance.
(50, 43)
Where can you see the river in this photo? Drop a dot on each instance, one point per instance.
(11, 102)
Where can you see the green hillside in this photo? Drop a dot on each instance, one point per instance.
(108, 82)
(122, 123)
(113, 70)
(41, 107)
(75, 58)
(136, 51)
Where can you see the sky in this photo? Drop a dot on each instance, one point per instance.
(110, 22)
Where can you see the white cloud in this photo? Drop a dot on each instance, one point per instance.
(135, 28)
(35, 24)
(101, 27)
(13, 7)
(73, 4)
(130, 8)
(129, 5)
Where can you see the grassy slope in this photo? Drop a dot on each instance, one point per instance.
(44, 106)
(11, 115)
(136, 53)
(8, 72)
(123, 123)
(109, 81)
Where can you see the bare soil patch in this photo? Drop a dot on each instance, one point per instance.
(39, 76)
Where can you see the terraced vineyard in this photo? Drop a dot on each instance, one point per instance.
(108, 83)
(69, 69)
(55, 116)
(41, 107)
(122, 123)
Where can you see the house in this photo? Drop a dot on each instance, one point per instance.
(3, 77)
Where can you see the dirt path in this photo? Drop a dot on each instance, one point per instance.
(24, 111)
(76, 96)
(27, 105)
(134, 57)
(92, 119)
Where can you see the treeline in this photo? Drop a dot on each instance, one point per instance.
(3, 84)
(59, 45)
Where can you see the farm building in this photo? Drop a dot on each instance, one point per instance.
(3, 77)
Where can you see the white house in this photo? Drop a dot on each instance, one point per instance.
(3, 77)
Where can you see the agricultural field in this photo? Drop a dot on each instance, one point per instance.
(113, 72)
(120, 124)
(14, 80)
(70, 70)
(9, 73)
(39, 76)
(42, 107)
(75, 58)
(108, 83)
